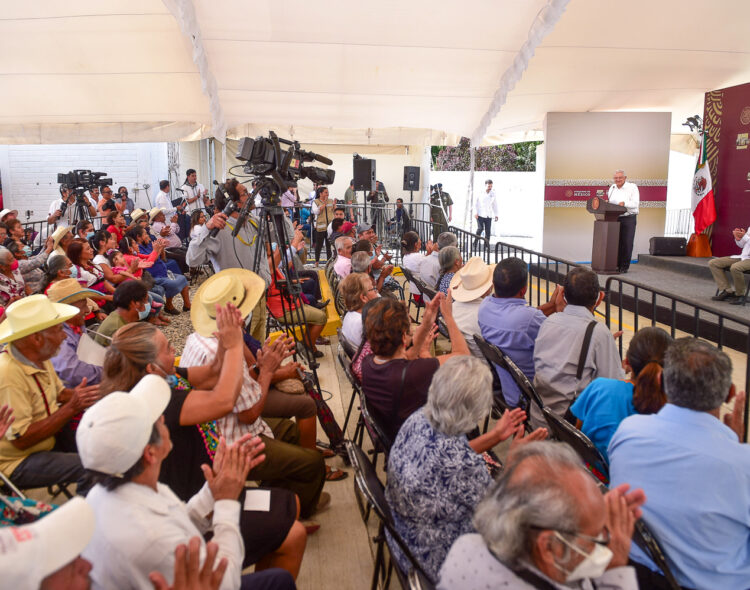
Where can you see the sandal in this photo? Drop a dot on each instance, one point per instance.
(327, 453)
(335, 474)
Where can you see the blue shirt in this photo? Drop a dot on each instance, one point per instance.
(601, 407)
(435, 482)
(159, 269)
(511, 325)
(696, 476)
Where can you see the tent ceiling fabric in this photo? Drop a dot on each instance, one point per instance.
(390, 72)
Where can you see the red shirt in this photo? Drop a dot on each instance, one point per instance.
(274, 298)
(113, 229)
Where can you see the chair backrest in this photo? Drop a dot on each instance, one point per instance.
(348, 346)
(644, 538)
(494, 357)
(527, 389)
(346, 365)
(374, 427)
(408, 274)
(366, 479)
(562, 430)
(425, 288)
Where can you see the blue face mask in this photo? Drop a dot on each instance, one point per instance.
(27, 250)
(142, 315)
(90, 235)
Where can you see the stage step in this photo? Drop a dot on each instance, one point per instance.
(685, 265)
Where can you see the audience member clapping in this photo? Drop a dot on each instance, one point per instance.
(450, 263)
(395, 379)
(545, 524)
(436, 477)
(694, 470)
(606, 402)
(90, 275)
(31, 266)
(431, 267)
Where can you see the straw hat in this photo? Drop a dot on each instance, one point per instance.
(58, 234)
(238, 286)
(137, 214)
(154, 212)
(70, 291)
(33, 314)
(473, 280)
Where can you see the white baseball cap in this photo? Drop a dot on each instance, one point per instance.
(31, 552)
(115, 430)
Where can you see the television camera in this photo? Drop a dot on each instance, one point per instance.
(79, 181)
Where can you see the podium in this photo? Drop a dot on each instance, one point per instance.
(606, 234)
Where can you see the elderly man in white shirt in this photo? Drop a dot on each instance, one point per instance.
(545, 524)
(626, 195)
(163, 201)
(123, 441)
(485, 208)
(737, 265)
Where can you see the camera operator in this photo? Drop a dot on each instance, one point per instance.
(226, 251)
(124, 204)
(93, 195)
(64, 215)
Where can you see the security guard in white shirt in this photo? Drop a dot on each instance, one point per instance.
(626, 195)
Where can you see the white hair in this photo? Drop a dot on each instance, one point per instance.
(621, 172)
(6, 255)
(340, 242)
(460, 395)
(360, 261)
(517, 507)
(446, 239)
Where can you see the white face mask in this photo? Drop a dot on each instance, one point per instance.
(594, 564)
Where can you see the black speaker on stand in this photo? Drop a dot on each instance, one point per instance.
(411, 184)
(364, 179)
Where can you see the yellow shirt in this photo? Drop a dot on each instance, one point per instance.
(20, 391)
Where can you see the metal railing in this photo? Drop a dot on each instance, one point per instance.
(679, 223)
(36, 232)
(471, 244)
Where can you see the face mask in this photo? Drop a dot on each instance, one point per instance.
(90, 235)
(171, 380)
(14, 265)
(27, 250)
(142, 315)
(594, 564)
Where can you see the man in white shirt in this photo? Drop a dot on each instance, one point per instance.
(343, 264)
(65, 216)
(122, 442)
(737, 265)
(626, 195)
(485, 208)
(163, 201)
(195, 194)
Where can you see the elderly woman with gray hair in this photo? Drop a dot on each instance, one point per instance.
(451, 262)
(436, 476)
(545, 524)
(12, 286)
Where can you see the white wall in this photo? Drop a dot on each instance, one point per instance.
(29, 172)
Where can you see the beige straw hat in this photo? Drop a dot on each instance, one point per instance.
(472, 280)
(238, 286)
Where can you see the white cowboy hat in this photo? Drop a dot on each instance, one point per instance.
(137, 214)
(5, 212)
(33, 314)
(154, 212)
(238, 286)
(31, 552)
(58, 234)
(70, 291)
(473, 280)
(114, 431)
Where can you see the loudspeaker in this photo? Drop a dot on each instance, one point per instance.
(667, 246)
(364, 175)
(411, 178)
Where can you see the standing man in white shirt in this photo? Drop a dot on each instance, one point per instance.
(195, 192)
(163, 201)
(626, 195)
(737, 265)
(485, 209)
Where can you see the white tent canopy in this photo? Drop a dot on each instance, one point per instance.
(388, 72)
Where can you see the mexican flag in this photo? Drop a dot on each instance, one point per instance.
(704, 208)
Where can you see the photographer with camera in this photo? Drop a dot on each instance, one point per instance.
(226, 251)
(124, 203)
(62, 210)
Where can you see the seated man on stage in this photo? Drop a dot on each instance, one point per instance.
(626, 195)
(737, 266)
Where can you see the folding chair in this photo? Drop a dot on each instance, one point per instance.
(371, 489)
(494, 357)
(344, 358)
(381, 442)
(564, 431)
(644, 538)
(419, 304)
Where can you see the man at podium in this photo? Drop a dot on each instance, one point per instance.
(626, 195)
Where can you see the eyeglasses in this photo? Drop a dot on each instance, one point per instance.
(602, 539)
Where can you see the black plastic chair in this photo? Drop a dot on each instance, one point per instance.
(644, 538)
(346, 364)
(494, 357)
(381, 441)
(413, 281)
(349, 348)
(371, 488)
(564, 431)
(426, 290)
(527, 389)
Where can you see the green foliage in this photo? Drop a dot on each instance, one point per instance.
(515, 157)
